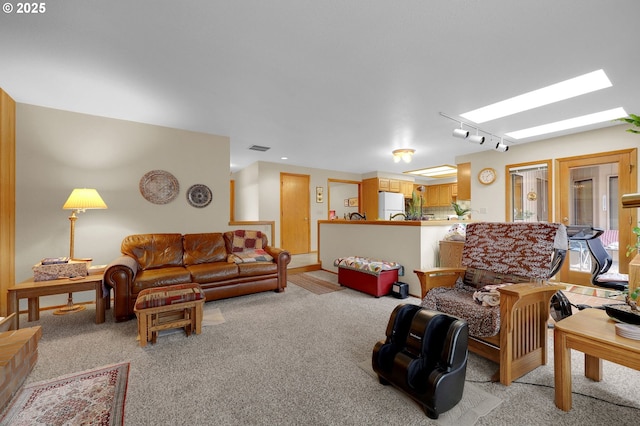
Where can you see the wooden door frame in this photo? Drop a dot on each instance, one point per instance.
(627, 183)
(507, 174)
(354, 182)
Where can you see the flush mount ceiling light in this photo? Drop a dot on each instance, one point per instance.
(444, 171)
(567, 89)
(404, 154)
(571, 123)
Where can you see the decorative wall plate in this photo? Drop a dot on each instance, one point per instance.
(159, 187)
(199, 195)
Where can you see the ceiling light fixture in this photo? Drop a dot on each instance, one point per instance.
(403, 154)
(571, 123)
(501, 147)
(444, 171)
(567, 89)
(464, 134)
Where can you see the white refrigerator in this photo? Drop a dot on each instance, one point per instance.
(390, 203)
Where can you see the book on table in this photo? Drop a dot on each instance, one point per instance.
(54, 260)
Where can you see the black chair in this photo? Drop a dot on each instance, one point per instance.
(357, 216)
(425, 356)
(602, 261)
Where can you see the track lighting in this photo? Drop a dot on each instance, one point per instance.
(464, 134)
(476, 139)
(501, 147)
(461, 133)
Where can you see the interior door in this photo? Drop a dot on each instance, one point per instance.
(295, 229)
(588, 193)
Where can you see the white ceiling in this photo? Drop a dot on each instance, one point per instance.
(332, 84)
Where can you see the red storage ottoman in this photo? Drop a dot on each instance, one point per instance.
(374, 277)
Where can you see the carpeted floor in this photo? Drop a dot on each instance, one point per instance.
(93, 397)
(292, 358)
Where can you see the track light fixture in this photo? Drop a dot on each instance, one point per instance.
(464, 134)
(501, 147)
(461, 133)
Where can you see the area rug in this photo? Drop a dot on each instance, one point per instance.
(474, 404)
(94, 397)
(604, 293)
(313, 284)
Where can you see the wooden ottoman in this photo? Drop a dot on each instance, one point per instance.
(164, 308)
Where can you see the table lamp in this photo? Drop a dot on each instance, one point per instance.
(80, 200)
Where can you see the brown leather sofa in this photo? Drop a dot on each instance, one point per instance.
(225, 265)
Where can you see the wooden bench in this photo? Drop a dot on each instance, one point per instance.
(164, 308)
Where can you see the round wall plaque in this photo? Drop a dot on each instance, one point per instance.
(199, 195)
(159, 187)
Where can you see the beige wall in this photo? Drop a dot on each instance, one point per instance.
(488, 201)
(57, 151)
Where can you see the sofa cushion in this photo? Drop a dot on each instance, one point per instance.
(212, 272)
(248, 256)
(204, 248)
(257, 268)
(161, 277)
(154, 250)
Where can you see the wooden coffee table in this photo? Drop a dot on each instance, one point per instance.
(32, 290)
(590, 331)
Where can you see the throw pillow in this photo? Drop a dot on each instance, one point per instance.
(246, 240)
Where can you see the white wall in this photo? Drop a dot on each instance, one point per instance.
(57, 151)
(268, 207)
(488, 201)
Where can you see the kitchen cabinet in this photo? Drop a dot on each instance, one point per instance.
(440, 195)
(406, 187)
(383, 184)
(464, 181)
(394, 185)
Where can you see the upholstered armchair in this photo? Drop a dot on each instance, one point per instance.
(502, 292)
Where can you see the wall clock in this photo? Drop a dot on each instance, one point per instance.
(159, 187)
(487, 176)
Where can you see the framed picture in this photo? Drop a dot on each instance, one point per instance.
(353, 202)
(319, 194)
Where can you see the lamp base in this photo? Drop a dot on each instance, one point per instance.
(70, 308)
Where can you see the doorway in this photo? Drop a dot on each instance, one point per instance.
(588, 193)
(295, 229)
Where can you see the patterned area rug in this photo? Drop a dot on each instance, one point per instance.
(313, 284)
(474, 404)
(92, 397)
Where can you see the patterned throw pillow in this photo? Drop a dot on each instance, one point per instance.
(250, 256)
(246, 240)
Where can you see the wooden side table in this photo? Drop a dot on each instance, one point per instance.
(592, 332)
(32, 290)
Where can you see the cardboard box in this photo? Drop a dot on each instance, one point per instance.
(67, 270)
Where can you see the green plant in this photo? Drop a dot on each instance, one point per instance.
(460, 211)
(636, 246)
(632, 299)
(632, 119)
(413, 208)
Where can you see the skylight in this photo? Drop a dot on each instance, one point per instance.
(571, 88)
(570, 123)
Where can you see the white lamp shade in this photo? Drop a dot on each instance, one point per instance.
(83, 199)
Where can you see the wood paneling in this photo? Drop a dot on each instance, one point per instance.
(7, 196)
(464, 181)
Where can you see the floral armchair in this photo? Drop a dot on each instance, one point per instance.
(501, 291)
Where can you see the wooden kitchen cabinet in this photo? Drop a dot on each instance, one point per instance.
(384, 184)
(464, 181)
(439, 195)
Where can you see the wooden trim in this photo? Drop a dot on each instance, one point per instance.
(7, 196)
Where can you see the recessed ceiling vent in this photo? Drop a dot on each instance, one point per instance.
(259, 148)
